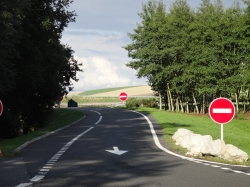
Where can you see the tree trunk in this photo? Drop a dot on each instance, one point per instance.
(160, 101)
(170, 98)
(25, 129)
(204, 104)
(169, 106)
(177, 104)
(187, 108)
(244, 106)
(237, 101)
(182, 109)
(195, 105)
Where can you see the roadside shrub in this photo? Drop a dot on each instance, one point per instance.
(136, 102)
(132, 102)
(151, 102)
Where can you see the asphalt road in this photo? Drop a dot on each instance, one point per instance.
(78, 157)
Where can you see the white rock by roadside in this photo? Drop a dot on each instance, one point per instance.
(197, 144)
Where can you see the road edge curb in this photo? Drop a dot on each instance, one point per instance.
(45, 135)
(158, 144)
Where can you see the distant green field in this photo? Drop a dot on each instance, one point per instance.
(92, 92)
(83, 99)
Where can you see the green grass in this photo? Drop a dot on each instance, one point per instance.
(60, 118)
(92, 92)
(82, 99)
(236, 132)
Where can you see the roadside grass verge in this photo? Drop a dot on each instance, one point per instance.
(236, 132)
(60, 118)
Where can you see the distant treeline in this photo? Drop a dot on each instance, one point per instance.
(193, 55)
(35, 67)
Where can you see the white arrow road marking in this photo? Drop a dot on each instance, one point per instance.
(222, 110)
(117, 151)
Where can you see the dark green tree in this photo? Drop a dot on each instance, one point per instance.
(148, 46)
(44, 68)
(11, 14)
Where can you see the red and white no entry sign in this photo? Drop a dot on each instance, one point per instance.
(1, 107)
(221, 110)
(123, 96)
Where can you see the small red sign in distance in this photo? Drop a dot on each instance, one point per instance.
(123, 96)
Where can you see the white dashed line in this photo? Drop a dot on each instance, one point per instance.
(215, 166)
(236, 171)
(24, 185)
(54, 158)
(226, 168)
(37, 178)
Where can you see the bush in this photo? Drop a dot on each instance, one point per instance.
(136, 102)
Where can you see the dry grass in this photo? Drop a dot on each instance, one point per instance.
(72, 94)
(136, 91)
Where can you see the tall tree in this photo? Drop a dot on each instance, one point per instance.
(11, 14)
(44, 70)
(148, 46)
(180, 17)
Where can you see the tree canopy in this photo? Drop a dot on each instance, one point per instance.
(35, 67)
(191, 56)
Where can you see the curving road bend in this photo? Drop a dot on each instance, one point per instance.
(115, 148)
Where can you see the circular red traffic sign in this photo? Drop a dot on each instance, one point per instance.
(123, 96)
(1, 107)
(221, 110)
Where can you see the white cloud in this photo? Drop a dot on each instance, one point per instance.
(103, 60)
(102, 42)
(98, 72)
(100, 30)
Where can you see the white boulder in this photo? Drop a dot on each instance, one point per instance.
(181, 136)
(197, 144)
(231, 153)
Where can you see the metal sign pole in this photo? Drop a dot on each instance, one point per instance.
(221, 131)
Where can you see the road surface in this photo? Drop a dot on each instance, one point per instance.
(116, 148)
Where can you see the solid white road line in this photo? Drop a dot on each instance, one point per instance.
(98, 120)
(96, 112)
(156, 140)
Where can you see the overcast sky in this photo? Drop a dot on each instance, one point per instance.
(97, 38)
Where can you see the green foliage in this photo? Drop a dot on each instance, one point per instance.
(136, 102)
(11, 15)
(189, 55)
(41, 68)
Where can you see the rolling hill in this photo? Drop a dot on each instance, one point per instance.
(114, 92)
